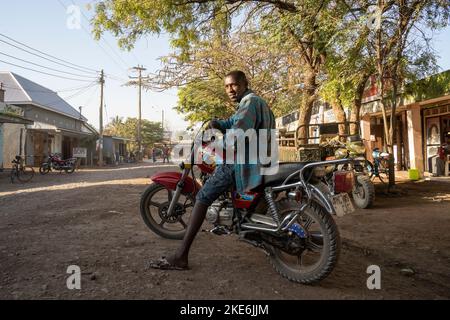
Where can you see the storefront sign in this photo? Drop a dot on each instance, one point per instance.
(80, 152)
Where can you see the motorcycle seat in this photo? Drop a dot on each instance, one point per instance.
(284, 170)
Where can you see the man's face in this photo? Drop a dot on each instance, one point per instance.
(235, 89)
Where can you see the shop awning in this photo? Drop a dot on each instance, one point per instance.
(74, 133)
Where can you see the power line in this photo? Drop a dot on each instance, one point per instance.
(106, 112)
(103, 39)
(42, 72)
(103, 49)
(115, 78)
(72, 89)
(42, 57)
(91, 96)
(52, 69)
(84, 90)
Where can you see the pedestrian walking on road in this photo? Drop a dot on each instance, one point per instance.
(166, 153)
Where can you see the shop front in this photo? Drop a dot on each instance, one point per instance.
(436, 123)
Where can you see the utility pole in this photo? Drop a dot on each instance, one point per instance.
(100, 148)
(139, 69)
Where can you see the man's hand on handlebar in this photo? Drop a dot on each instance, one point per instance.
(214, 124)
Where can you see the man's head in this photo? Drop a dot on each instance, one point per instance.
(235, 85)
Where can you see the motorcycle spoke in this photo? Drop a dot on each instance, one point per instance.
(161, 224)
(299, 260)
(156, 204)
(313, 247)
(183, 223)
(308, 223)
(188, 205)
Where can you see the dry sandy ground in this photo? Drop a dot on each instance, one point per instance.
(91, 219)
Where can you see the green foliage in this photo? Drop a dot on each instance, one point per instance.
(293, 52)
(203, 100)
(130, 19)
(151, 132)
(429, 88)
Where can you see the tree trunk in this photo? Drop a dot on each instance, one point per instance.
(303, 121)
(398, 138)
(392, 129)
(340, 115)
(309, 96)
(356, 111)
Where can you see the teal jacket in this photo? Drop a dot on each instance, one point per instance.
(252, 113)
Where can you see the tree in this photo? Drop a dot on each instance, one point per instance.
(115, 127)
(306, 27)
(403, 52)
(202, 94)
(152, 132)
(348, 67)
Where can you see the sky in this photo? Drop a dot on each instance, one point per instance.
(43, 25)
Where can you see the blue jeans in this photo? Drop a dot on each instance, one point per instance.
(221, 180)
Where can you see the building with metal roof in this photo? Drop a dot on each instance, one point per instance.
(57, 126)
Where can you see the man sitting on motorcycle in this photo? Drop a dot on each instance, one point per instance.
(252, 113)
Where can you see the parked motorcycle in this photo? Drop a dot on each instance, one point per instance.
(54, 162)
(287, 216)
(363, 192)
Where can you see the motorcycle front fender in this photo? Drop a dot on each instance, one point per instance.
(322, 199)
(171, 179)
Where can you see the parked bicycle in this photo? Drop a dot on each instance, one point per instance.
(380, 166)
(21, 172)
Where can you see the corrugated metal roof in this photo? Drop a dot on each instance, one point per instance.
(20, 90)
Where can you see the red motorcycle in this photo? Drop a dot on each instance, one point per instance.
(287, 216)
(54, 162)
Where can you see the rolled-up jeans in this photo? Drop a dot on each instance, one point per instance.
(221, 180)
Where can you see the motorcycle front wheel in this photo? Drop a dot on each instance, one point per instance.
(322, 246)
(155, 202)
(44, 168)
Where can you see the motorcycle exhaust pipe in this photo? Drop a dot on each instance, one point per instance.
(259, 218)
(258, 227)
(285, 224)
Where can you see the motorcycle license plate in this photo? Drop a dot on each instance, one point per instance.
(342, 204)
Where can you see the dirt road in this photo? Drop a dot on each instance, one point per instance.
(91, 219)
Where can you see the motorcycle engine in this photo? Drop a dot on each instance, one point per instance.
(220, 213)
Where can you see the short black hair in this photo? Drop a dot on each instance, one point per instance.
(238, 75)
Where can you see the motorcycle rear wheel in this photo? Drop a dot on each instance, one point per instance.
(154, 204)
(71, 170)
(326, 242)
(364, 193)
